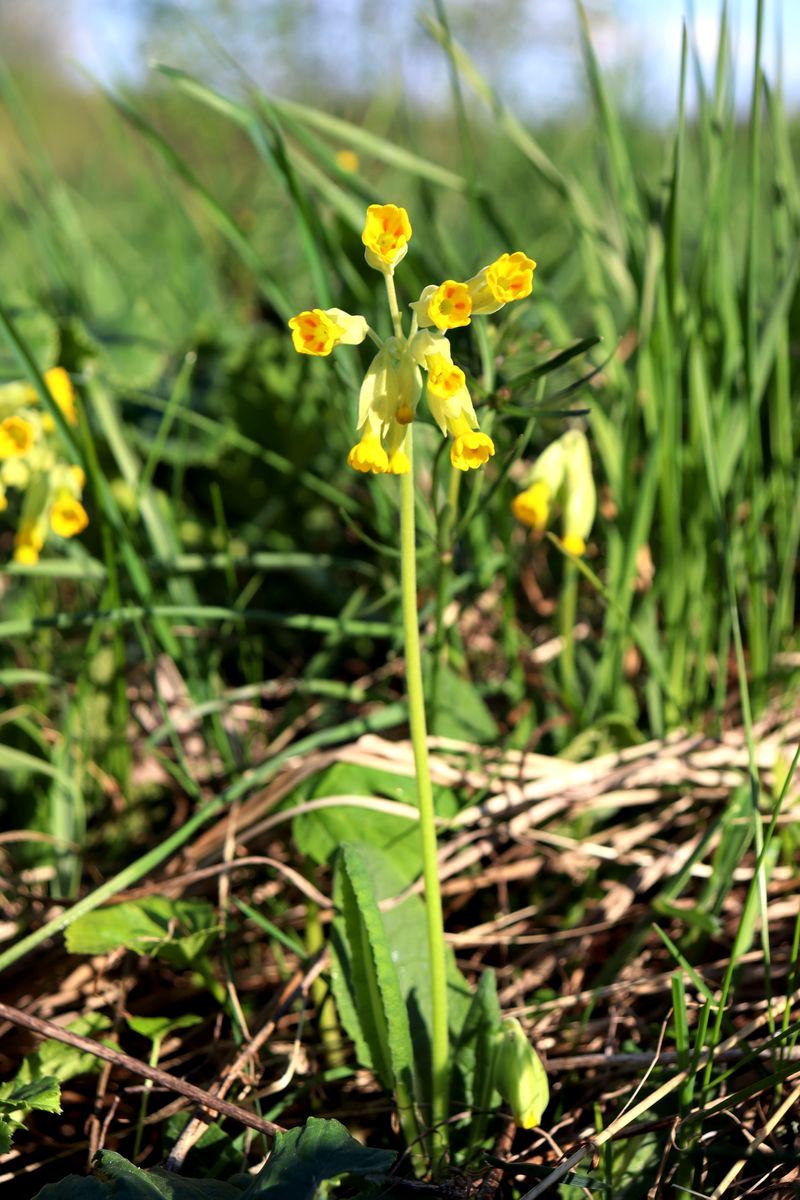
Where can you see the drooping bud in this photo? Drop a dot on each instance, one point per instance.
(580, 493)
(519, 1075)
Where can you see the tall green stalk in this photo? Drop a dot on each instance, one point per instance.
(433, 895)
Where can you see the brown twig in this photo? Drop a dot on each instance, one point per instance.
(137, 1067)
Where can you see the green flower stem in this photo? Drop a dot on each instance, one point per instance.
(567, 614)
(433, 896)
(391, 292)
(445, 566)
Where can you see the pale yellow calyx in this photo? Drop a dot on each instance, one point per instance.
(369, 455)
(445, 379)
(77, 478)
(59, 385)
(532, 506)
(404, 415)
(16, 437)
(314, 332)
(15, 472)
(68, 517)
(386, 233)
(450, 306)
(470, 448)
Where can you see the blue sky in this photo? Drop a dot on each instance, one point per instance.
(538, 69)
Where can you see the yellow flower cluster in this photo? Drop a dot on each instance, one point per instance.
(561, 477)
(51, 489)
(393, 383)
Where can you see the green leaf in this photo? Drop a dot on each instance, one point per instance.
(369, 984)
(75, 1187)
(305, 1158)
(405, 933)
(157, 1028)
(61, 1061)
(42, 1094)
(460, 711)
(320, 834)
(131, 1183)
(474, 1052)
(6, 1134)
(179, 931)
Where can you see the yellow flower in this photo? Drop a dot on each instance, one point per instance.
(470, 448)
(317, 331)
(67, 516)
(16, 437)
(445, 379)
(347, 160)
(59, 385)
(386, 234)
(508, 278)
(28, 542)
(450, 306)
(573, 544)
(532, 506)
(399, 463)
(391, 388)
(369, 455)
(562, 476)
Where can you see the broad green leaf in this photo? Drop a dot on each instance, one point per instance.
(460, 710)
(75, 1187)
(320, 834)
(131, 1183)
(405, 932)
(61, 1061)
(472, 1084)
(6, 1134)
(369, 986)
(303, 1159)
(179, 931)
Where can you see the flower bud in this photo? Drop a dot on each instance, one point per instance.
(519, 1075)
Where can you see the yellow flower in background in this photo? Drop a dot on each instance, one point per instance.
(347, 160)
(67, 516)
(17, 435)
(561, 477)
(317, 331)
(386, 234)
(393, 383)
(28, 542)
(59, 385)
(532, 506)
(30, 465)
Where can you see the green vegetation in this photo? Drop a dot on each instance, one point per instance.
(211, 857)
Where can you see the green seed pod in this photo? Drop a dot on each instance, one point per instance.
(519, 1075)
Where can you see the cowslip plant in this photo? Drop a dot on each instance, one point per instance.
(30, 463)
(561, 477)
(412, 360)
